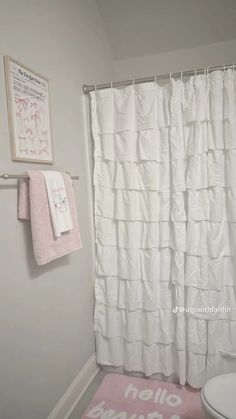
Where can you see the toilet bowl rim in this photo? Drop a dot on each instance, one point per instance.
(210, 409)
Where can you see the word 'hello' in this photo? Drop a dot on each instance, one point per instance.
(160, 396)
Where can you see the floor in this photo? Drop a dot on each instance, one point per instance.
(84, 402)
(88, 395)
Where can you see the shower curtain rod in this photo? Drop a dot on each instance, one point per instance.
(90, 88)
(7, 176)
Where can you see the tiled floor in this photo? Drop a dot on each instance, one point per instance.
(88, 395)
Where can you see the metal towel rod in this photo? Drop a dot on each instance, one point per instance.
(7, 176)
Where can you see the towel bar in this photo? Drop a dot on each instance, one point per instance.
(7, 176)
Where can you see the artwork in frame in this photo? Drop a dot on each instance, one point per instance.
(28, 113)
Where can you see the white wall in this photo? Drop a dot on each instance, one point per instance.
(46, 328)
(179, 60)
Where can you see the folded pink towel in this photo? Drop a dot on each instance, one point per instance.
(33, 205)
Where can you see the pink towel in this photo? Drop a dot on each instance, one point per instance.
(33, 205)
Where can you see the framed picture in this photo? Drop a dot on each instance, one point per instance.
(28, 113)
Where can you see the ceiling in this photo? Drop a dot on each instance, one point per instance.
(141, 27)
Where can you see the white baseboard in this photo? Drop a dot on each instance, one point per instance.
(75, 391)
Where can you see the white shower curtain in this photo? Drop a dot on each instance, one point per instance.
(165, 215)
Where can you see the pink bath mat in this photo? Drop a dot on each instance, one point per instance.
(123, 397)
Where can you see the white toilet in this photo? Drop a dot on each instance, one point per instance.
(219, 397)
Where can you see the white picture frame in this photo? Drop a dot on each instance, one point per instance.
(28, 108)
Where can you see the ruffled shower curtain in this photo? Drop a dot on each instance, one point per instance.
(165, 217)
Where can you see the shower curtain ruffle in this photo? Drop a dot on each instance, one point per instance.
(165, 216)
